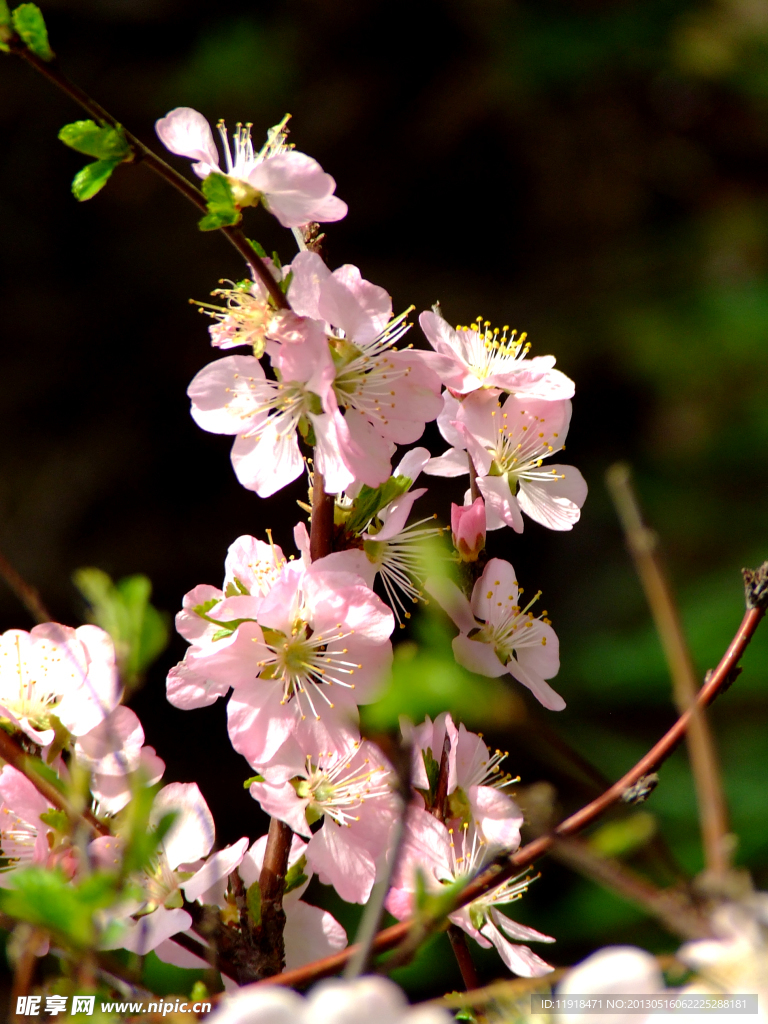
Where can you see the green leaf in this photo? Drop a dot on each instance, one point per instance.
(92, 179)
(371, 500)
(29, 23)
(295, 875)
(6, 26)
(258, 249)
(138, 630)
(222, 210)
(624, 837)
(104, 143)
(47, 899)
(254, 778)
(253, 902)
(56, 819)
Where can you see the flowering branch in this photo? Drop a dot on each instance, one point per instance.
(508, 866)
(143, 153)
(643, 546)
(12, 753)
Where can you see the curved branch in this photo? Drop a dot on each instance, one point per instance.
(505, 867)
(155, 163)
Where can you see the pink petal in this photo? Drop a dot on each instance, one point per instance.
(477, 656)
(339, 860)
(500, 500)
(149, 931)
(519, 959)
(219, 866)
(187, 133)
(297, 190)
(309, 275)
(192, 833)
(498, 583)
(310, 933)
(257, 721)
(187, 688)
(282, 802)
(21, 796)
(268, 463)
(557, 504)
(542, 691)
(226, 395)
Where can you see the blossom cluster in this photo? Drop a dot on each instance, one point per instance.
(296, 643)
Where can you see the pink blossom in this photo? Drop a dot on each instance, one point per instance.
(325, 648)
(498, 636)
(470, 358)
(475, 782)
(508, 444)
(57, 671)
(468, 529)
(352, 793)
(291, 185)
(388, 395)
(444, 856)
(377, 1000)
(220, 624)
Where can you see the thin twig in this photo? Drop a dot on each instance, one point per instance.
(507, 867)
(463, 956)
(643, 546)
(13, 754)
(321, 527)
(25, 592)
(474, 490)
(272, 885)
(145, 155)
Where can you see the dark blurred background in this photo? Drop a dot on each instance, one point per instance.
(591, 171)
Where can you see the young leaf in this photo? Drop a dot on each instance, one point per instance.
(48, 899)
(29, 23)
(371, 500)
(92, 179)
(138, 630)
(258, 249)
(87, 137)
(222, 210)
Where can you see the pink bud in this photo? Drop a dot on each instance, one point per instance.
(468, 529)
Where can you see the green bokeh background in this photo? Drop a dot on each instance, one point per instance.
(591, 171)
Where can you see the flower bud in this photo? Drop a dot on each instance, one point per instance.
(468, 529)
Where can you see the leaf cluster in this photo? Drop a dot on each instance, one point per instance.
(105, 142)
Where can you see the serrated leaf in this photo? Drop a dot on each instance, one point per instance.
(29, 22)
(253, 902)
(102, 142)
(222, 209)
(92, 179)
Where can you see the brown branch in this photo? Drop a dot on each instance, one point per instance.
(25, 592)
(474, 490)
(643, 546)
(506, 867)
(145, 155)
(13, 753)
(463, 956)
(321, 527)
(272, 884)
